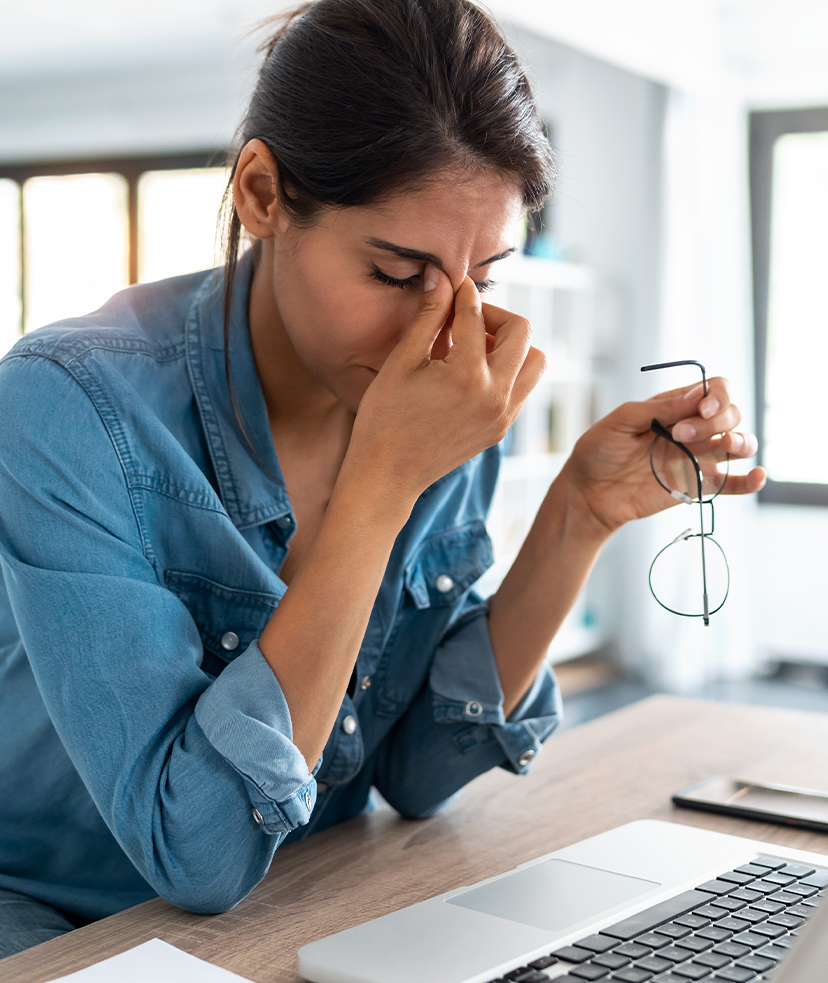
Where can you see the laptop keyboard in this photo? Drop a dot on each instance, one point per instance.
(733, 929)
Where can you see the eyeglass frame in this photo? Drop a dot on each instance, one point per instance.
(661, 431)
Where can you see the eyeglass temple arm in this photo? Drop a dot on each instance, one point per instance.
(661, 431)
(672, 365)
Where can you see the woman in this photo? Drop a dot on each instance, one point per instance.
(242, 510)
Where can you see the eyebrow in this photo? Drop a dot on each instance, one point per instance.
(420, 256)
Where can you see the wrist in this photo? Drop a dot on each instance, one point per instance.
(365, 490)
(578, 508)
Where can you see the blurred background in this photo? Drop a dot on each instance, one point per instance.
(689, 223)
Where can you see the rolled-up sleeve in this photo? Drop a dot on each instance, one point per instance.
(456, 729)
(188, 772)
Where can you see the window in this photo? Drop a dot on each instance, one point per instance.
(75, 232)
(789, 204)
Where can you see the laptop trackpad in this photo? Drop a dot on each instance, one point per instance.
(554, 894)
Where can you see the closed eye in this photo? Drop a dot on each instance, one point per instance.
(414, 281)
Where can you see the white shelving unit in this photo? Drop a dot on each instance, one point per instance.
(560, 300)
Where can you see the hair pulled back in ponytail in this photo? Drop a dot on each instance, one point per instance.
(360, 99)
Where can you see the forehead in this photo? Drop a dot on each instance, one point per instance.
(457, 217)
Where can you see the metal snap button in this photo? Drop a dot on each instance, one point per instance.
(349, 724)
(473, 709)
(284, 522)
(308, 799)
(444, 583)
(526, 757)
(258, 817)
(366, 682)
(229, 641)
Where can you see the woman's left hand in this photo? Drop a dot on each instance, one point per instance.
(610, 465)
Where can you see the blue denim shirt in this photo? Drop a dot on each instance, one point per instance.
(146, 744)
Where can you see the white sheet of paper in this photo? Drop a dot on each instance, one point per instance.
(152, 962)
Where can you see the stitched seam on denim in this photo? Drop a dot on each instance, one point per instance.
(178, 493)
(209, 419)
(73, 350)
(118, 446)
(237, 595)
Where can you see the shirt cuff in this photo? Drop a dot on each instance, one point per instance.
(245, 716)
(466, 688)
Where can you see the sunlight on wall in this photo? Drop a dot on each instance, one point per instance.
(177, 215)
(75, 244)
(797, 321)
(9, 264)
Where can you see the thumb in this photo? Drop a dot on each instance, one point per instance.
(432, 313)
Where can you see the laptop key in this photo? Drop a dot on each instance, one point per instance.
(770, 931)
(734, 950)
(715, 887)
(612, 960)
(752, 915)
(692, 920)
(543, 962)
(732, 924)
(737, 876)
(729, 903)
(779, 878)
(632, 975)
(650, 918)
(818, 879)
(692, 971)
(774, 952)
(712, 959)
(588, 972)
(753, 869)
(597, 943)
(708, 911)
(653, 964)
(785, 897)
(787, 920)
(572, 954)
(734, 975)
(633, 950)
(773, 862)
(714, 933)
(673, 931)
(766, 905)
(751, 939)
(531, 976)
(757, 963)
(745, 894)
(695, 944)
(803, 890)
(653, 939)
(674, 953)
(796, 870)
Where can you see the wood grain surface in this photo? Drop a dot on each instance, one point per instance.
(621, 767)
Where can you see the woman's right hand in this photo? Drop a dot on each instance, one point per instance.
(451, 387)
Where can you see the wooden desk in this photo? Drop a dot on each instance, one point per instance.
(613, 770)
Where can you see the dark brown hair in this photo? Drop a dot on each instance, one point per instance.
(361, 99)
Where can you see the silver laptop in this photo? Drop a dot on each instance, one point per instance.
(649, 901)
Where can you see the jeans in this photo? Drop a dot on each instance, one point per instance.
(25, 922)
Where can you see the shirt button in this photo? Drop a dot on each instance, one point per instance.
(366, 682)
(444, 583)
(349, 724)
(258, 817)
(473, 709)
(229, 641)
(526, 757)
(308, 800)
(284, 522)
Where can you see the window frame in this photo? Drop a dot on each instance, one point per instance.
(129, 168)
(765, 128)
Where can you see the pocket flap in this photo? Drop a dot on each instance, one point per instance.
(446, 565)
(222, 614)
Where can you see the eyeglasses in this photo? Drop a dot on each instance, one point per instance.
(674, 573)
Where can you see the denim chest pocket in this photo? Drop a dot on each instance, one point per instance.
(435, 581)
(228, 619)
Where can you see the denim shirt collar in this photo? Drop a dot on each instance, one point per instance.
(250, 480)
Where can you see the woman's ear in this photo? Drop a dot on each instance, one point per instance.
(255, 189)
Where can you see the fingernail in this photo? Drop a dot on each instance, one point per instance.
(709, 407)
(684, 432)
(432, 275)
